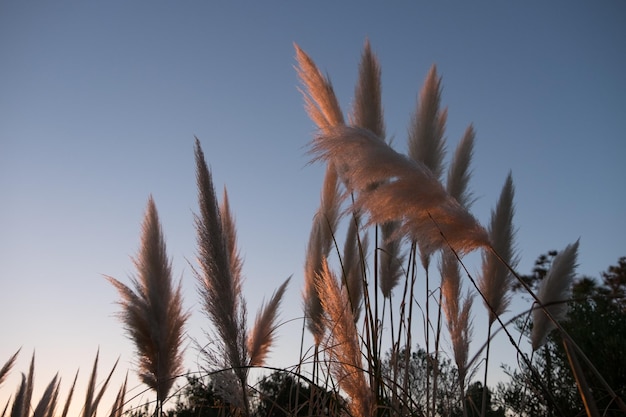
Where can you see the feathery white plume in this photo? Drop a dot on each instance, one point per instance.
(553, 293)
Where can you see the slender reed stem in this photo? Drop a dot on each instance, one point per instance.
(427, 342)
(437, 339)
(581, 382)
(408, 324)
(483, 405)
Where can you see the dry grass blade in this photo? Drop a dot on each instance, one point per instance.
(368, 110)
(426, 142)
(46, 404)
(153, 313)
(68, 401)
(98, 397)
(118, 406)
(21, 404)
(320, 101)
(262, 334)
(53, 402)
(394, 188)
(6, 368)
(19, 408)
(496, 279)
(342, 345)
(553, 294)
(91, 387)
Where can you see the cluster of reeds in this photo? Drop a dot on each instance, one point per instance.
(154, 316)
(361, 305)
(49, 404)
(401, 201)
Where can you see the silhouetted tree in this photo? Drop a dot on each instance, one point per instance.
(199, 399)
(281, 394)
(474, 398)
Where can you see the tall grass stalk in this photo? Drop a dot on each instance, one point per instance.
(342, 346)
(457, 310)
(426, 144)
(318, 249)
(219, 287)
(323, 108)
(496, 280)
(233, 349)
(152, 311)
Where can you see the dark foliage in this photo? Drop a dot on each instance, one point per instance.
(597, 322)
(280, 394)
(198, 399)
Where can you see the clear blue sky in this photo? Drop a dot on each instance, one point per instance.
(100, 102)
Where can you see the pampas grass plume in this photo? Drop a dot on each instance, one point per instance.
(153, 312)
(457, 311)
(319, 97)
(318, 248)
(426, 142)
(219, 289)
(367, 111)
(554, 291)
(459, 172)
(355, 248)
(390, 258)
(262, 334)
(342, 345)
(495, 281)
(392, 187)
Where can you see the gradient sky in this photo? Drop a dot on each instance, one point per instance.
(100, 102)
